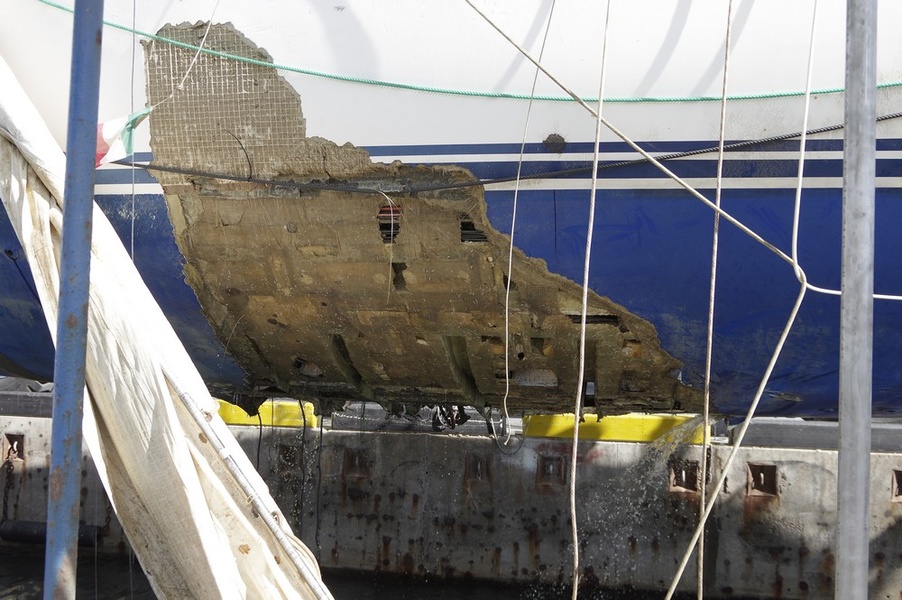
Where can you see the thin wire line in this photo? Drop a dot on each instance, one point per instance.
(590, 229)
(510, 253)
(319, 483)
(712, 292)
(300, 518)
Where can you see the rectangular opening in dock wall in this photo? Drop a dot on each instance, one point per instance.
(762, 480)
(684, 476)
(356, 465)
(896, 485)
(551, 474)
(13, 446)
(477, 470)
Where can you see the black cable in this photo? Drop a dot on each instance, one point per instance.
(250, 166)
(413, 189)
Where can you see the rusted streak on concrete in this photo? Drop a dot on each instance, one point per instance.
(305, 292)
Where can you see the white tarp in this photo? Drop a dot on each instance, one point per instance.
(188, 517)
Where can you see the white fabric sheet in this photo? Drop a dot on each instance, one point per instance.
(186, 516)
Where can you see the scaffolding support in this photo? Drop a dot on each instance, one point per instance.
(71, 333)
(857, 305)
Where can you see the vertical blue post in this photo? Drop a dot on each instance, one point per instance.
(857, 306)
(64, 484)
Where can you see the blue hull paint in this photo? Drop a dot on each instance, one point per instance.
(26, 348)
(651, 254)
(160, 263)
(26, 343)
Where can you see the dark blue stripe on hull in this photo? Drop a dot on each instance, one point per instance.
(684, 168)
(788, 145)
(161, 265)
(26, 348)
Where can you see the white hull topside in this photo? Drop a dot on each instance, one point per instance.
(654, 50)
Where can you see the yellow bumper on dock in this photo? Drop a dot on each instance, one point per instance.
(272, 413)
(634, 427)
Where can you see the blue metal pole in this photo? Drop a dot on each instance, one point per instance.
(63, 493)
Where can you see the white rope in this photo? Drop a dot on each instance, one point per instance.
(506, 429)
(797, 268)
(651, 159)
(577, 409)
(800, 174)
(802, 143)
(740, 436)
(712, 292)
(673, 176)
(832, 292)
(698, 535)
(200, 47)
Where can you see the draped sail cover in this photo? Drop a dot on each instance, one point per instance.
(182, 497)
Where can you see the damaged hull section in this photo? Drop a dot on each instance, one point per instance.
(329, 276)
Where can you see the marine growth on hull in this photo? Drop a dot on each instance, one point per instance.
(334, 278)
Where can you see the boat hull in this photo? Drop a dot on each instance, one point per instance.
(651, 245)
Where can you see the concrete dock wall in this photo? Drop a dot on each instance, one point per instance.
(456, 506)
(444, 505)
(25, 447)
